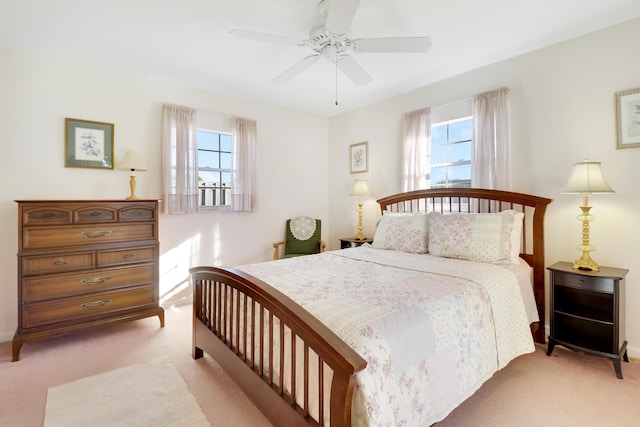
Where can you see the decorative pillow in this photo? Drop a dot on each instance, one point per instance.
(483, 237)
(407, 232)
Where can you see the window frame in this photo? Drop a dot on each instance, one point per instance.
(215, 208)
(449, 164)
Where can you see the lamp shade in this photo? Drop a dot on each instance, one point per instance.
(132, 161)
(361, 189)
(586, 178)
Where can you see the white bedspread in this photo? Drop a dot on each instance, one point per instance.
(431, 329)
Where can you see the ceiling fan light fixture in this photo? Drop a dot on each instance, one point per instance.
(330, 53)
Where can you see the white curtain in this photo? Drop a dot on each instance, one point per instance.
(243, 175)
(416, 136)
(490, 162)
(179, 160)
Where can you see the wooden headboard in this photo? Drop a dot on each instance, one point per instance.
(470, 200)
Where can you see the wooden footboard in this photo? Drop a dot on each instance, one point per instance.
(290, 365)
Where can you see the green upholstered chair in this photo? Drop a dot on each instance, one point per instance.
(302, 238)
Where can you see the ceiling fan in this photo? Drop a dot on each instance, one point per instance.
(332, 40)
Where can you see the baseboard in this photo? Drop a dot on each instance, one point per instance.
(6, 336)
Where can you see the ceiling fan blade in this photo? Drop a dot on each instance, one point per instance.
(271, 38)
(353, 70)
(340, 16)
(296, 69)
(393, 44)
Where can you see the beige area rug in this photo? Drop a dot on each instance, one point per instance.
(147, 394)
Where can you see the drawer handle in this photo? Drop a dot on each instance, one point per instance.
(95, 303)
(581, 281)
(95, 280)
(48, 215)
(93, 234)
(59, 262)
(128, 256)
(95, 213)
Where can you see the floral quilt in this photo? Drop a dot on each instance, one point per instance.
(431, 329)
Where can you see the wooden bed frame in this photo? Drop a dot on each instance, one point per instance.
(227, 303)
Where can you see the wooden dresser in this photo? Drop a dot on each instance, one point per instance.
(84, 264)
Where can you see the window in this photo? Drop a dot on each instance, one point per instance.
(214, 170)
(451, 153)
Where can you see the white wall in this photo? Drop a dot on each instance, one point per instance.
(562, 112)
(38, 92)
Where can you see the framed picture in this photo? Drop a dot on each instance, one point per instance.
(628, 118)
(359, 157)
(88, 144)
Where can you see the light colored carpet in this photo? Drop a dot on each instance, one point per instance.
(151, 393)
(565, 390)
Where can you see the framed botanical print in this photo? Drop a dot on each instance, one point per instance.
(88, 144)
(359, 157)
(628, 118)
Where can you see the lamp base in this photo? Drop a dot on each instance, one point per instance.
(132, 187)
(586, 263)
(360, 234)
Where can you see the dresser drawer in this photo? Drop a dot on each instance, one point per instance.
(48, 215)
(596, 284)
(75, 235)
(137, 213)
(126, 256)
(57, 286)
(32, 265)
(80, 308)
(91, 215)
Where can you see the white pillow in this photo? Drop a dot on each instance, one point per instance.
(407, 232)
(483, 237)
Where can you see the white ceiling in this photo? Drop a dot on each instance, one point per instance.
(188, 41)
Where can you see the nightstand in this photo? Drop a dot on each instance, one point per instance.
(587, 311)
(350, 242)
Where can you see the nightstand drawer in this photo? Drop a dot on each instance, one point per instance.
(597, 284)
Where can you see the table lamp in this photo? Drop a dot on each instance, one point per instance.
(586, 178)
(360, 189)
